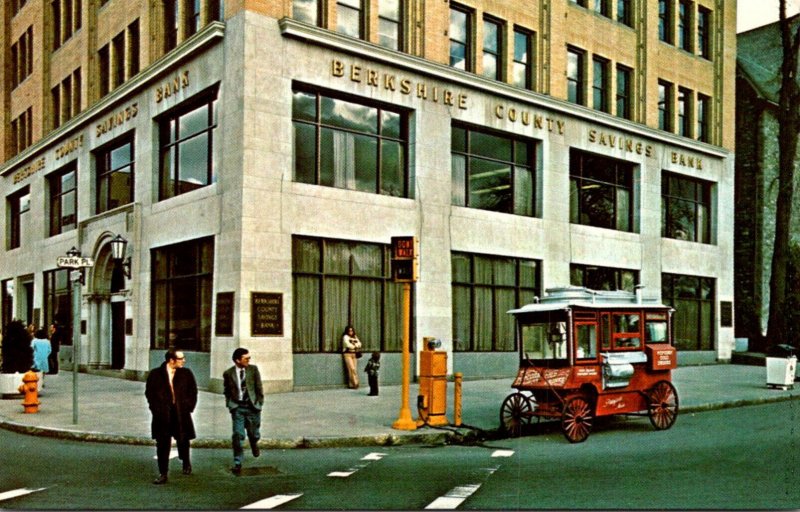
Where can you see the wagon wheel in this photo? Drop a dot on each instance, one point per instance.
(576, 419)
(662, 405)
(515, 412)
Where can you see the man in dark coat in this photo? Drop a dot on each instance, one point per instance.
(171, 392)
(244, 397)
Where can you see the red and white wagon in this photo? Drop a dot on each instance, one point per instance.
(586, 353)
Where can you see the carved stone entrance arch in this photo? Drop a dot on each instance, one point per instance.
(107, 309)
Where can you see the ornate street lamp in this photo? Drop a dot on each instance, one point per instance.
(118, 247)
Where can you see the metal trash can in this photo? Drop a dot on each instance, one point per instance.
(781, 367)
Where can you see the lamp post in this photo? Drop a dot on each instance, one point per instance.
(76, 277)
(118, 249)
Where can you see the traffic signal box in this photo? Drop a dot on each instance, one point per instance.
(405, 259)
(432, 399)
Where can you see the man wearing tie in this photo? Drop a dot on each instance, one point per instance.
(171, 392)
(244, 397)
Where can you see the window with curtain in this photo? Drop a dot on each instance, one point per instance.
(337, 283)
(58, 301)
(603, 278)
(693, 298)
(63, 185)
(182, 294)
(492, 171)
(484, 289)
(601, 191)
(114, 164)
(344, 144)
(186, 139)
(685, 208)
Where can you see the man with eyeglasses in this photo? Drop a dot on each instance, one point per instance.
(244, 397)
(171, 392)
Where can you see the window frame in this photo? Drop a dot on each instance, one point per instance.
(576, 82)
(583, 178)
(704, 20)
(17, 207)
(600, 83)
(685, 111)
(528, 65)
(703, 297)
(685, 37)
(493, 54)
(359, 11)
(466, 43)
(104, 172)
(703, 118)
(666, 30)
(700, 200)
(589, 276)
(394, 19)
(624, 92)
(666, 112)
(170, 139)
(57, 224)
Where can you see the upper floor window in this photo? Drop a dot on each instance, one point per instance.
(118, 61)
(344, 144)
(684, 25)
(576, 76)
(63, 187)
(603, 278)
(483, 288)
(603, 7)
(685, 208)
(22, 58)
(19, 203)
(114, 165)
(600, 88)
(67, 15)
(186, 143)
(460, 38)
(389, 24)
(704, 32)
(22, 130)
(703, 115)
(665, 21)
(192, 17)
(665, 99)
(171, 10)
(624, 14)
(492, 44)
(66, 98)
(216, 10)
(522, 67)
(624, 92)
(582, 3)
(492, 172)
(349, 18)
(16, 6)
(306, 11)
(684, 112)
(601, 191)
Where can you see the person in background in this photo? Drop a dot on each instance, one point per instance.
(351, 350)
(244, 397)
(56, 339)
(171, 392)
(41, 353)
(372, 369)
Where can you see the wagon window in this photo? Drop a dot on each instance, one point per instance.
(587, 341)
(546, 340)
(627, 330)
(655, 331)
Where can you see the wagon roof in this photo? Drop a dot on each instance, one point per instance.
(562, 298)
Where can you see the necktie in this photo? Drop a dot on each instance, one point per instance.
(242, 386)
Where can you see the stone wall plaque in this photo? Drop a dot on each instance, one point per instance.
(224, 317)
(266, 314)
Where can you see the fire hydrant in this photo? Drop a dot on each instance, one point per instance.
(31, 389)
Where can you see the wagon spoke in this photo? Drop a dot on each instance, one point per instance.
(576, 419)
(515, 413)
(663, 405)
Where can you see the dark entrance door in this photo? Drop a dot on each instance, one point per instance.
(118, 335)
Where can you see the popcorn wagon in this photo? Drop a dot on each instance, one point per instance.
(585, 354)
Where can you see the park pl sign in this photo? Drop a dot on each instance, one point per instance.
(74, 262)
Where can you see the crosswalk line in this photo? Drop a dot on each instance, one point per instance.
(373, 456)
(272, 502)
(453, 498)
(341, 474)
(502, 453)
(18, 492)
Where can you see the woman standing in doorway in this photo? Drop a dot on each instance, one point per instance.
(351, 349)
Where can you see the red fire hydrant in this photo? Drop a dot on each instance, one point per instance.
(31, 389)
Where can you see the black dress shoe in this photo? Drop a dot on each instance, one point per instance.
(162, 479)
(237, 469)
(187, 468)
(256, 450)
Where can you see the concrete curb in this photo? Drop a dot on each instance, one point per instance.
(446, 435)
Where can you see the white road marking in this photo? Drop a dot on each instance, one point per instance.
(374, 456)
(341, 474)
(502, 453)
(173, 454)
(454, 497)
(272, 502)
(18, 492)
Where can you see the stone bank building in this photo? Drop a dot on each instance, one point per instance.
(258, 156)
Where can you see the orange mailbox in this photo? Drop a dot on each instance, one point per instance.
(432, 399)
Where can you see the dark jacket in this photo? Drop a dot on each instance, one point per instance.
(252, 381)
(159, 398)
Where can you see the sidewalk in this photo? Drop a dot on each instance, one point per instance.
(114, 410)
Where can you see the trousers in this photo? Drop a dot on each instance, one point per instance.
(246, 420)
